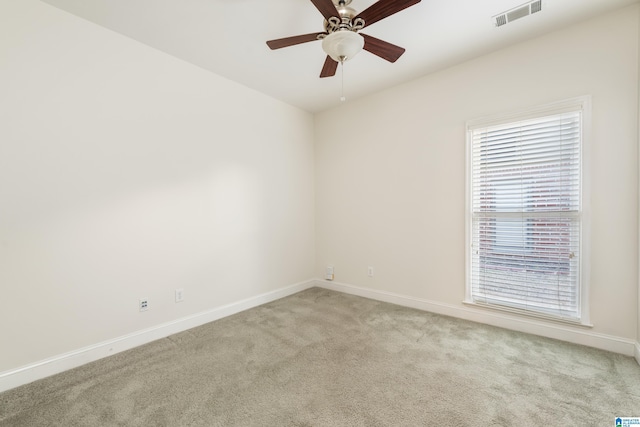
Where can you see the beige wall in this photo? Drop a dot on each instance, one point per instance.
(390, 168)
(126, 173)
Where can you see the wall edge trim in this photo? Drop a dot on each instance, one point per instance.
(53, 365)
(567, 333)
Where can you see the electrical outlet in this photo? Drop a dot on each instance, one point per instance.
(144, 304)
(328, 273)
(179, 295)
(370, 271)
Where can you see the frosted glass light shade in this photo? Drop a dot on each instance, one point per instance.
(342, 45)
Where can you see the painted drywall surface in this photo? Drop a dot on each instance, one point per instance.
(125, 174)
(390, 168)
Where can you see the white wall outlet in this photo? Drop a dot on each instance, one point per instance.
(370, 271)
(179, 295)
(328, 273)
(143, 304)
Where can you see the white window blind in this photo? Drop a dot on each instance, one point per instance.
(526, 214)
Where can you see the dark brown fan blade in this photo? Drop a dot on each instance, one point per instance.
(383, 8)
(383, 49)
(326, 8)
(290, 41)
(329, 68)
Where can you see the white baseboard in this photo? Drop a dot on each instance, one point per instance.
(44, 368)
(543, 328)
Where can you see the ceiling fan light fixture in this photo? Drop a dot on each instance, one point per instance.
(342, 45)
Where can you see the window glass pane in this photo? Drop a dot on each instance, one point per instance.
(525, 202)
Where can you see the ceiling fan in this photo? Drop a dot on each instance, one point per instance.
(341, 40)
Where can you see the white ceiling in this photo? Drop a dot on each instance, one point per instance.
(228, 37)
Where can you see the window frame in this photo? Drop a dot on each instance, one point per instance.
(582, 104)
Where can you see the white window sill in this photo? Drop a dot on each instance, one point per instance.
(528, 314)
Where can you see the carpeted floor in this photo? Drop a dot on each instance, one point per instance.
(322, 358)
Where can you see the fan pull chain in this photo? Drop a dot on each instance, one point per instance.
(342, 98)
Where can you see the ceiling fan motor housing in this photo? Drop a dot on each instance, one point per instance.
(345, 21)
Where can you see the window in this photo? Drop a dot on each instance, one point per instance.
(525, 212)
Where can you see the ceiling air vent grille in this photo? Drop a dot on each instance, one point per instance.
(517, 13)
(536, 6)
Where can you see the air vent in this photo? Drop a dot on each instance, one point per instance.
(536, 6)
(517, 13)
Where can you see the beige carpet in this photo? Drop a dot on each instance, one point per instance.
(322, 358)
